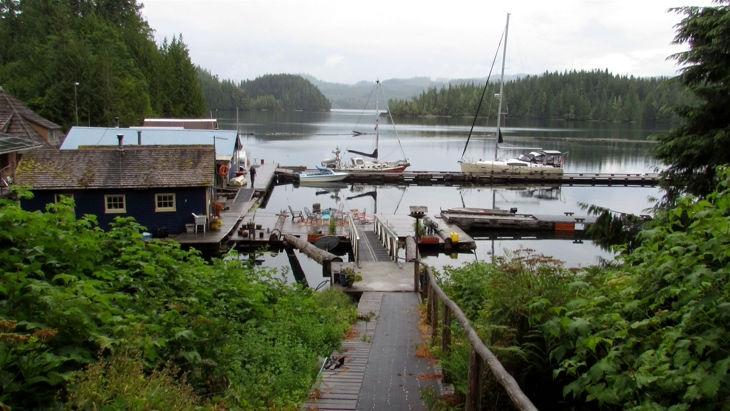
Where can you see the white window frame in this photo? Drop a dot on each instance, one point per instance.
(158, 197)
(121, 210)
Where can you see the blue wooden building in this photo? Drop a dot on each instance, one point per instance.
(160, 186)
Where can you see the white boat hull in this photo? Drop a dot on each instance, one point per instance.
(316, 177)
(503, 167)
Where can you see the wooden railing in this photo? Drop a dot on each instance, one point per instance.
(354, 240)
(479, 352)
(387, 237)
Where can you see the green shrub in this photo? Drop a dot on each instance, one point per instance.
(120, 383)
(647, 333)
(70, 291)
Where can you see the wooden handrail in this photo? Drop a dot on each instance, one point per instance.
(354, 239)
(504, 378)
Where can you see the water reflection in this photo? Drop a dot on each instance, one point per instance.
(305, 139)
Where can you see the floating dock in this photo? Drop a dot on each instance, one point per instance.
(493, 219)
(289, 174)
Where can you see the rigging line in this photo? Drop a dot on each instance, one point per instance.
(481, 99)
(392, 122)
(367, 103)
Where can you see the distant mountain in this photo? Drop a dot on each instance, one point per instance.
(355, 96)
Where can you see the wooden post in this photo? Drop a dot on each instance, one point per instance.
(446, 332)
(446, 339)
(429, 293)
(473, 395)
(416, 276)
(434, 317)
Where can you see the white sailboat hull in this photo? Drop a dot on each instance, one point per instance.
(506, 167)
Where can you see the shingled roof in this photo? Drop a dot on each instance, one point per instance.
(11, 144)
(17, 120)
(112, 167)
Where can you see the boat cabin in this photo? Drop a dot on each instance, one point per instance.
(546, 157)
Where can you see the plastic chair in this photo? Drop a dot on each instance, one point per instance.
(200, 220)
(296, 214)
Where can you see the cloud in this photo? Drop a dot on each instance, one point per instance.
(351, 41)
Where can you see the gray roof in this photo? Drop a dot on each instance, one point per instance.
(17, 120)
(110, 167)
(225, 140)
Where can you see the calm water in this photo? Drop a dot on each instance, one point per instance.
(436, 144)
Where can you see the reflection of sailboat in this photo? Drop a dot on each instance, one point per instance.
(361, 165)
(534, 162)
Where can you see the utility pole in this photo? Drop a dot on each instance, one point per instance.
(76, 103)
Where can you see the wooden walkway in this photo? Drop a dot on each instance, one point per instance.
(457, 178)
(385, 366)
(234, 209)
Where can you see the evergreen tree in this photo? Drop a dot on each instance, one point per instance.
(695, 149)
(104, 45)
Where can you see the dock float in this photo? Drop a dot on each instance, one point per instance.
(289, 174)
(495, 219)
(448, 178)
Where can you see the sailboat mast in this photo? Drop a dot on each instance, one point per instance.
(377, 117)
(501, 89)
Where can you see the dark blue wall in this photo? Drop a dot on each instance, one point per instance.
(140, 205)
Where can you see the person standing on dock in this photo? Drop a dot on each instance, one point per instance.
(252, 171)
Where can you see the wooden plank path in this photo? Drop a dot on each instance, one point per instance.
(234, 209)
(338, 389)
(382, 369)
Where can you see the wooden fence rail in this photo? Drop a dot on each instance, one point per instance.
(479, 353)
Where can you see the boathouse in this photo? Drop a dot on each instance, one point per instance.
(160, 186)
(229, 151)
(21, 129)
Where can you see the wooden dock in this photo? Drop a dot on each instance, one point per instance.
(234, 210)
(448, 178)
(493, 219)
(383, 362)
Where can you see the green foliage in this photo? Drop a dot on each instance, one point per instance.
(108, 48)
(70, 290)
(694, 150)
(272, 92)
(507, 302)
(574, 95)
(120, 383)
(648, 333)
(614, 229)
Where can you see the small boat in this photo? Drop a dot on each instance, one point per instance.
(321, 175)
(535, 162)
(360, 165)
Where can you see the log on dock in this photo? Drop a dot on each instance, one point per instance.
(439, 230)
(315, 253)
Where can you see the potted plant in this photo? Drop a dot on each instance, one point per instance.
(348, 276)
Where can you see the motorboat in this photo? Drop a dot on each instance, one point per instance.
(321, 175)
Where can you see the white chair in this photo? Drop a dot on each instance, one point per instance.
(200, 220)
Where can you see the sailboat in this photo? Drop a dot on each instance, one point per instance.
(534, 162)
(373, 164)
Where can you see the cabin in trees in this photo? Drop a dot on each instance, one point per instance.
(21, 129)
(160, 186)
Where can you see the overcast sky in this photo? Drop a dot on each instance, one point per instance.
(347, 41)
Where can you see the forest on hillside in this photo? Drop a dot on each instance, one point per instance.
(47, 47)
(273, 92)
(572, 95)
